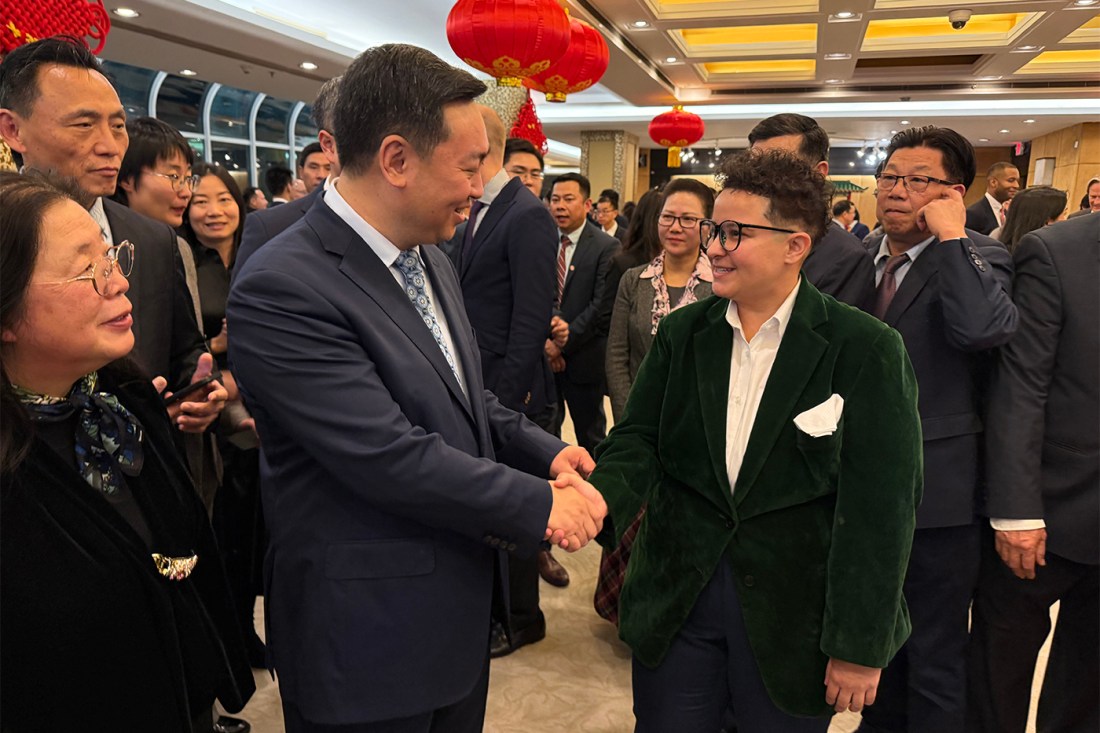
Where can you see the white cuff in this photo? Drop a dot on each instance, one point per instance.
(1010, 525)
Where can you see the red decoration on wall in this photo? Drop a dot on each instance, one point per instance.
(582, 65)
(528, 126)
(675, 130)
(27, 21)
(508, 39)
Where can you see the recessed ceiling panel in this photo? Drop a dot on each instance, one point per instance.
(999, 29)
(684, 9)
(755, 40)
(770, 70)
(1064, 62)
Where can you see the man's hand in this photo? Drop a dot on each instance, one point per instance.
(298, 189)
(572, 459)
(1022, 550)
(553, 355)
(577, 513)
(850, 686)
(195, 416)
(945, 217)
(220, 343)
(559, 331)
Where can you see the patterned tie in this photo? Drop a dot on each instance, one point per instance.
(565, 242)
(468, 235)
(888, 286)
(412, 270)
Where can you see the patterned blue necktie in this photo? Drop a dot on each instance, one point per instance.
(412, 270)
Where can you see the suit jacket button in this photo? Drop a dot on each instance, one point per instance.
(730, 524)
(511, 547)
(527, 399)
(487, 539)
(749, 581)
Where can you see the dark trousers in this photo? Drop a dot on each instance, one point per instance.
(585, 403)
(924, 687)
(1011, 620)
(465, 716)
(709, 668)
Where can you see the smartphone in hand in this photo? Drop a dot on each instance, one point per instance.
(188, 390)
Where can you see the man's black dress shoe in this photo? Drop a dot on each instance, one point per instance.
(225, 724)
(551, 570)
(500, 645)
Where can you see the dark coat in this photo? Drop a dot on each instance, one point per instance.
(508, 281)
(94, 638)
(953, 307)
(1043, 431)
(840, 266)
(817, 530)
(980, 216)
(260, 227)
(586, 305)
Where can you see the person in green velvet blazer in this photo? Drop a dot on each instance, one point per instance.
(811, 543)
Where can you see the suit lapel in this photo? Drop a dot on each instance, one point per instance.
(136, 278)
(919, 273)
(580, 257)
(799, 353)
(360, 265)
(493, 216)
(713, 346)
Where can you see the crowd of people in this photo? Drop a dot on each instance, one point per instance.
(851, 468)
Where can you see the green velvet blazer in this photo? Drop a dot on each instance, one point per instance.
(817, 530)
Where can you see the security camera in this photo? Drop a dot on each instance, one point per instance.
(959, 18)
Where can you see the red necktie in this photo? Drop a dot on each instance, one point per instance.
(565, 242)
(888, 286)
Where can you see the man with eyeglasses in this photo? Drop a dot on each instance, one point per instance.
(947, 290)
(607, 212)
(61, 114)
(523, 160)
(773, 434)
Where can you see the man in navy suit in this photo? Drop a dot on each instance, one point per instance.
(946, 289)
(392, 479)
(578, 339)
(504, 255)
(988, 212)
(261, 226)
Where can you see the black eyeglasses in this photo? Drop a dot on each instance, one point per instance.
(728, 231)
(687, 222)
(916, 184)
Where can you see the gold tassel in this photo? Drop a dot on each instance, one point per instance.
(674, 157)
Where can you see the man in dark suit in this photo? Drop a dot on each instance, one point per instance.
(947, 291)
(280, 185)
(607, 217)
(261, 226)
(504, 255)
(578, 341)
(837, 264)
(61, 114)
(391, 478)
(1043, 495)
(988, 212)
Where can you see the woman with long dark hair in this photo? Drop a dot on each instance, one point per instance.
(1032, 208)
(116, 611)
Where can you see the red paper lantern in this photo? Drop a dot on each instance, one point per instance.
(675, 130)
(33, 20)
(582, 65)
(508, 39)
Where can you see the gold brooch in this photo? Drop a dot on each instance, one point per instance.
(175, 568)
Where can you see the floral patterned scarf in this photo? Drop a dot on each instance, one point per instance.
(656, 271)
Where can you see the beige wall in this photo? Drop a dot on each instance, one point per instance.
(1076, 154)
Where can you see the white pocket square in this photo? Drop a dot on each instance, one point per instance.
(821, 420)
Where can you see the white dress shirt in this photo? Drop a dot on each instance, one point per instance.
(750, 364)
(388, 252)
(493, 188)
(996, 206)
(100, 215)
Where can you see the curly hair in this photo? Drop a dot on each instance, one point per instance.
(798, 196)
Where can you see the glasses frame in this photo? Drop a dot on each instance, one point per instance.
(524, 173)
(178, 182)
(905, 182)
(111, 258)
(680, 220)
(741, 227)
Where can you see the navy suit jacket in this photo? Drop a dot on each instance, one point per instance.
(953, 307)
(387, 491)
(261, 226)
(507, 276)
(839, 265)
(586, 305)
(1043, 438)
(980, 216)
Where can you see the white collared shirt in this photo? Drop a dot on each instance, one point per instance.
(100, 215)
(493, 187)
(996, 206)
(388, 252)
(884, 254)
(751, 363)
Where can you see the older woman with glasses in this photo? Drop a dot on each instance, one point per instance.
(115, 609)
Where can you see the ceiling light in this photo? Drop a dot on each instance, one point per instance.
(905, 122)
(188, 72)
(640, 24)
(837, 56)
(307, 65)
(989, 78)
(983, 139)
(893, 132)
(833, 81)
(126, 12)
(1003, 132)
(845, 16)
(1029, 122)
(1027, 49)
(851, 164)
(671, 59)
(1084, 3)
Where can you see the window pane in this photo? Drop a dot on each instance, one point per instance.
(305, 131)
(234, 158)
(272, 120)
(180, 103)
(229, 113)
(132, 84)
(199, 146)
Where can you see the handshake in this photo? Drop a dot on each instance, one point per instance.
(578, 510)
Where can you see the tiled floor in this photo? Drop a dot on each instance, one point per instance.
(576, 680)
